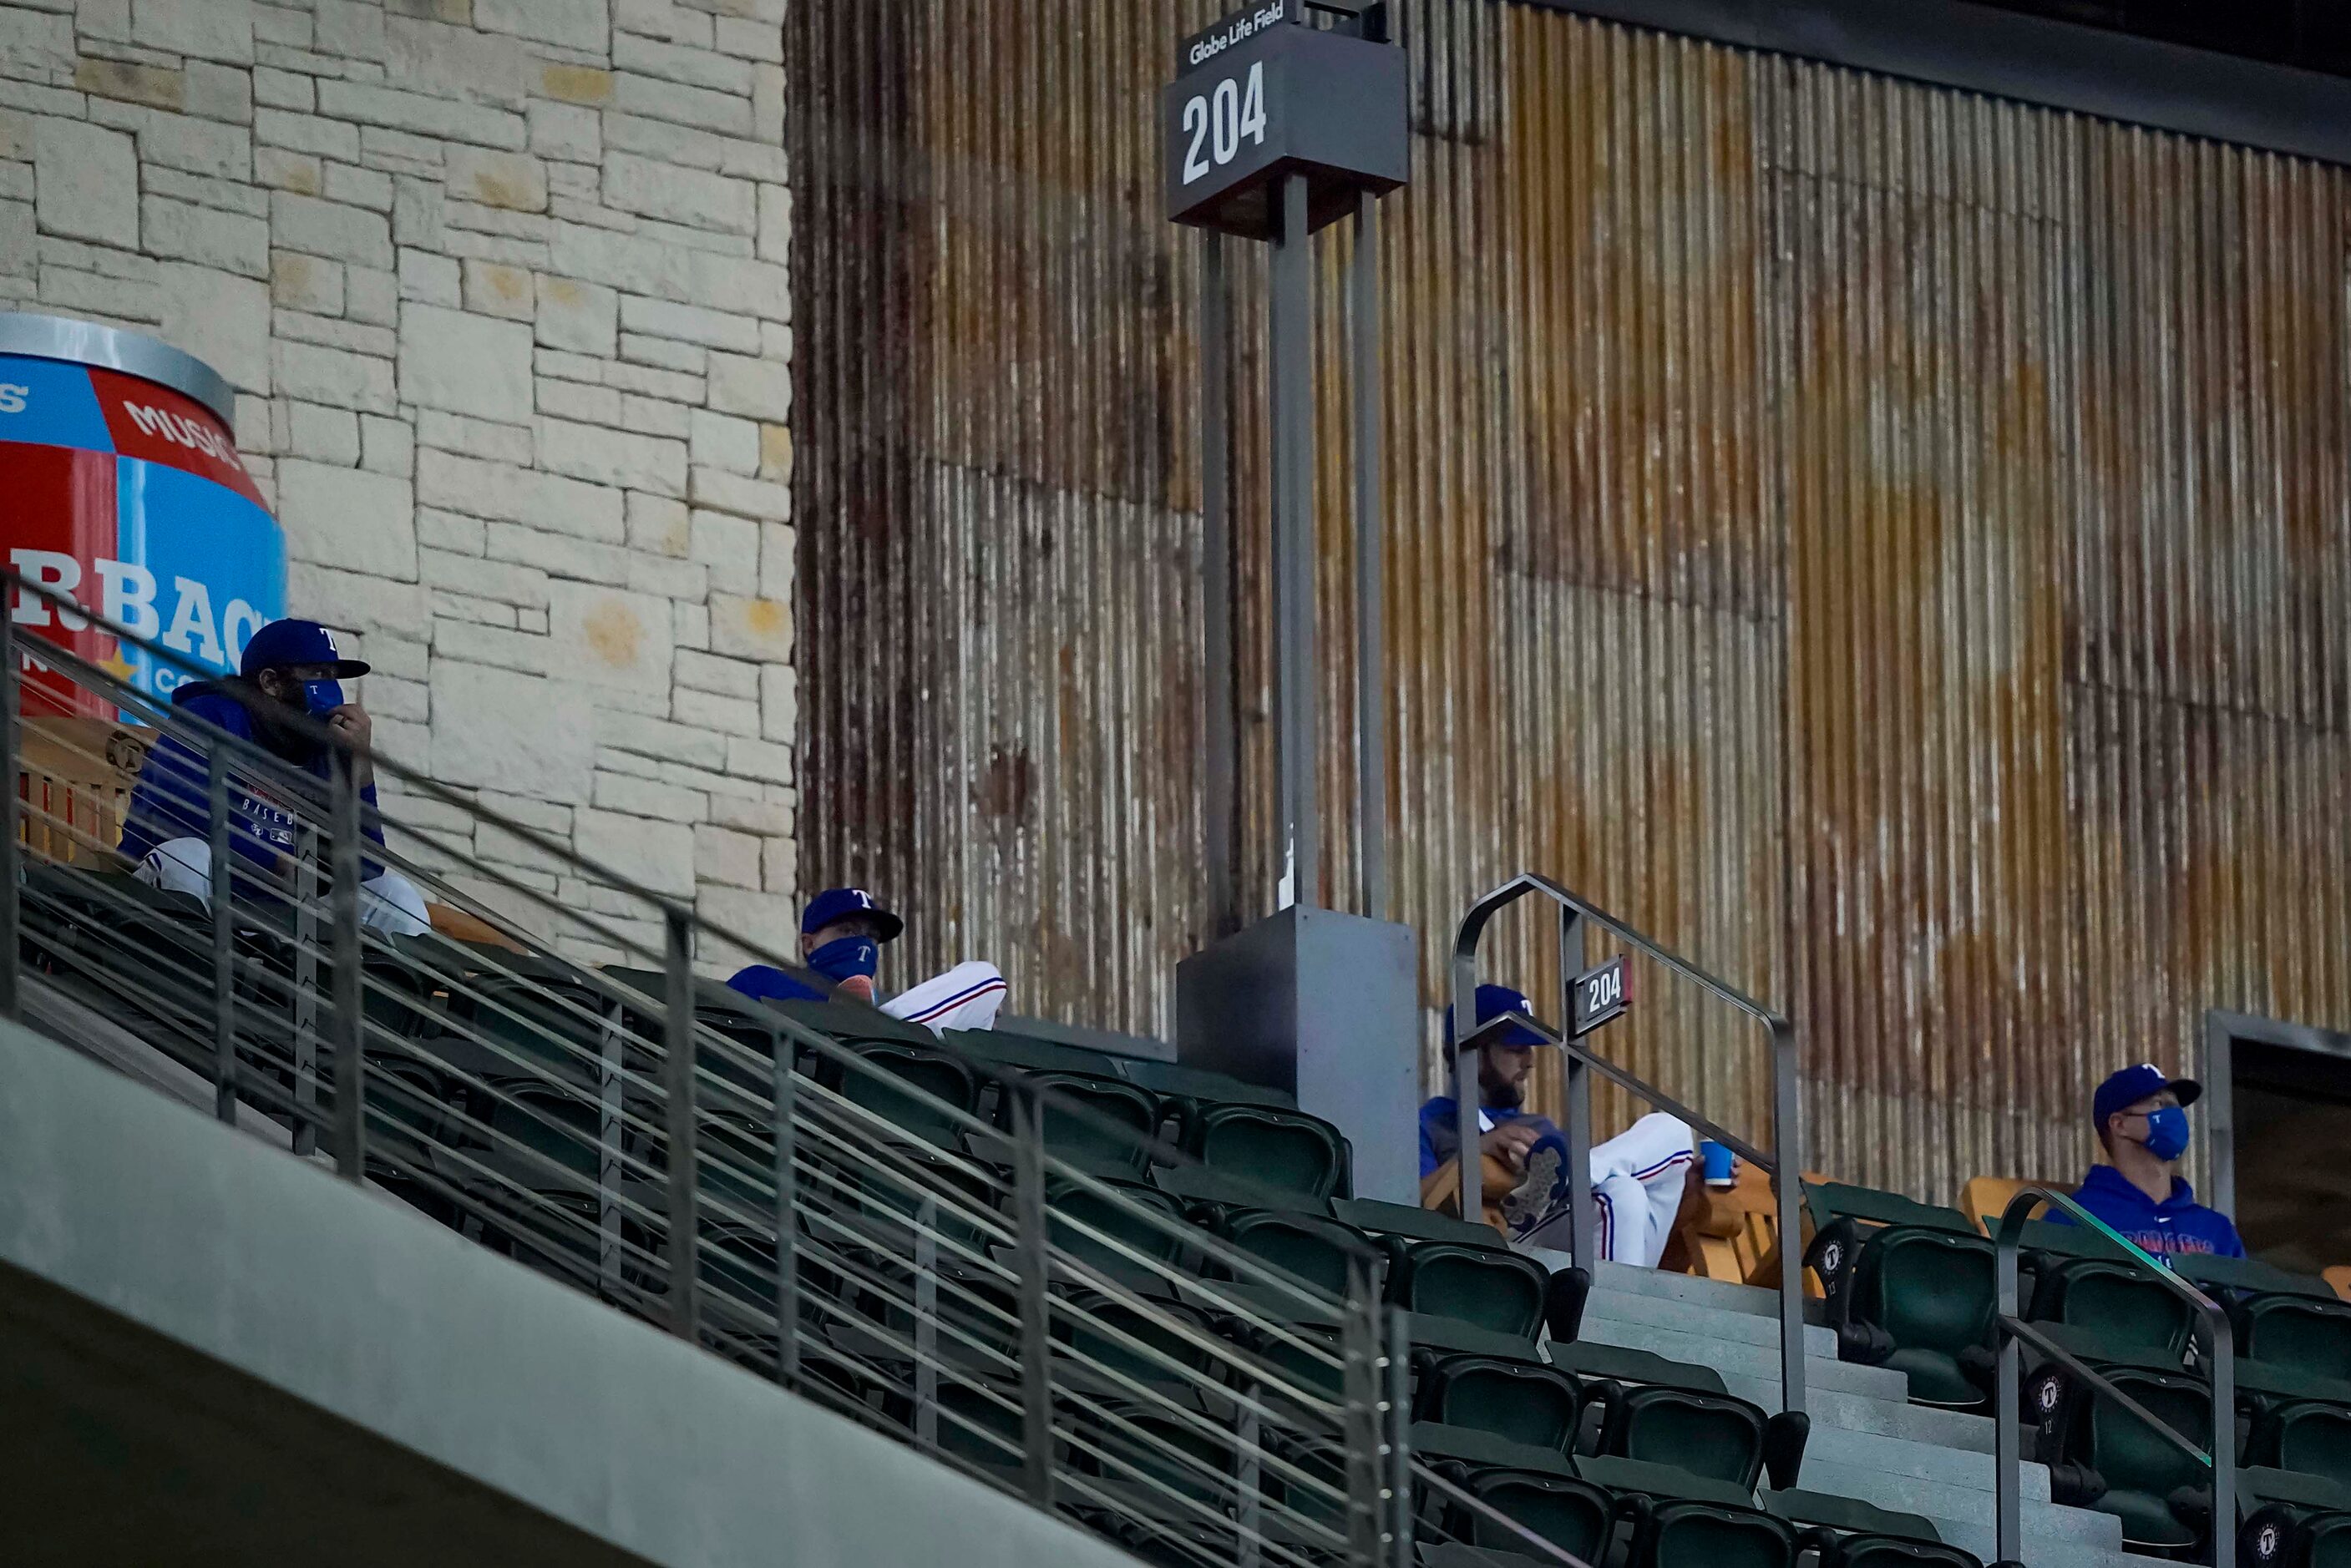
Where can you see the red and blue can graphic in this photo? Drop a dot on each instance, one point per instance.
(127, 497)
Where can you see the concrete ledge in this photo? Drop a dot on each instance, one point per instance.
(169, 1285)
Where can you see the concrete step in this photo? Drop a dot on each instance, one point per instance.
(1876, 1417)
(1700, 1317)
(1941, 1501)
(1732, 1358)
(2040, 1550)
(1751, 1301)
(1903, 1457)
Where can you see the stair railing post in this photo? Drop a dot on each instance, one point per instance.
(1787, 1191)
(2008, 1437)
(1363, 1421)
(224, 957)
(1583, 1229)
(684, 1163)
(351, 1053)
(1035, 1302)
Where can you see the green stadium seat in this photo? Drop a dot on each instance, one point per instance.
(878, 1072)
(1849, 1533)
(1158, 1343)
(1285, 1149)
(1319, 1251)
(2304, 1436)
(1116, 1138)
(2302, 1333)
(1713, 1435)
(1069, 1206)
(1488, 1289)
(1684, 1533)
(2101, 1456)
(1909, 1286)
(1522, 1401)
(2117, 1300)
(1661, 1411)
(1572, 1514)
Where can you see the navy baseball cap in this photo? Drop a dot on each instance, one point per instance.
(283, 643)
(839, 904)
(1493, 1001)
(2132, 1084)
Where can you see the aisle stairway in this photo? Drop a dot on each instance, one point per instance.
(1868, 1441)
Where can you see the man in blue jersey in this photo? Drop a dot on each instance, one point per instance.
(290, 667)
(841, 934)
(1637, 1181)
(2140, 1115)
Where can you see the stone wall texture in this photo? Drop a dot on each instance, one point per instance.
(502, 285)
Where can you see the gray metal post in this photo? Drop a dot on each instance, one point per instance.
(1401, 1553)
(1030, 1244)
(2219, 1113)
(1465, 1087)
(1582, 1228)
(223, 959)
(1248, 1515)
(684, 1164)
(1219, 719)
(1371, 543)
(11, 851)
(612, 1108)
(926, 1323)
(1788, 1187)
(2224, 1374)
(350, 1054)
(306, 988)
(1365, 1381)
(1292, 305)
(2008, 1438)
(787, 1203)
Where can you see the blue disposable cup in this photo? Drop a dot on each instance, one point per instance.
(1719, 1163)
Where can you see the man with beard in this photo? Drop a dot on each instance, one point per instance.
(1637, 1180)
(290, 667)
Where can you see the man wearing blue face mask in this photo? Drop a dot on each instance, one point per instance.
(289, 667)
(842, 933)
(2141, 1117)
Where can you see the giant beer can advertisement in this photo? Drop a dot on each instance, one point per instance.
(125, 496)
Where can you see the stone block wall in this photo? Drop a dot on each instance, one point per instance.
(502, 284)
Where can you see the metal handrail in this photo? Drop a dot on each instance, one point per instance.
(1784, 1163)
(642, 1234)
(2014, 1334)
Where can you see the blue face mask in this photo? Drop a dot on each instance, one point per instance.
(846, 956)
(320, 698)
(2166, 1133)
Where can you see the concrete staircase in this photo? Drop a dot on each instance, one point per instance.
(1868, 1442)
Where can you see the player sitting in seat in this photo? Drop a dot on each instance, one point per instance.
(1637, 1180)
(842, 933)
(2140, 1115)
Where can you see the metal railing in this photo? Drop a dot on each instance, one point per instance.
(797, 1199)
(1784, 1163)
(2014, 1334)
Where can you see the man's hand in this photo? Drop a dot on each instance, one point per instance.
(1510, 1142)
(351, 722)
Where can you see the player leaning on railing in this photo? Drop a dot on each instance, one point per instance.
(291, 667)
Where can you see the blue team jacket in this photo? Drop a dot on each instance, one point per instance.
(766, 982)
(2178, 1224)
(170, 800)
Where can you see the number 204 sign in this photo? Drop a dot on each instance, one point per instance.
(1220, 120)
(1261, 95)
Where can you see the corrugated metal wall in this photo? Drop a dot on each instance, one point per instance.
(1889, 543)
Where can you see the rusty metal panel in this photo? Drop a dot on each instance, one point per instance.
(1891, 543)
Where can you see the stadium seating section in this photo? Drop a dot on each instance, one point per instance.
(1613, 1454)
